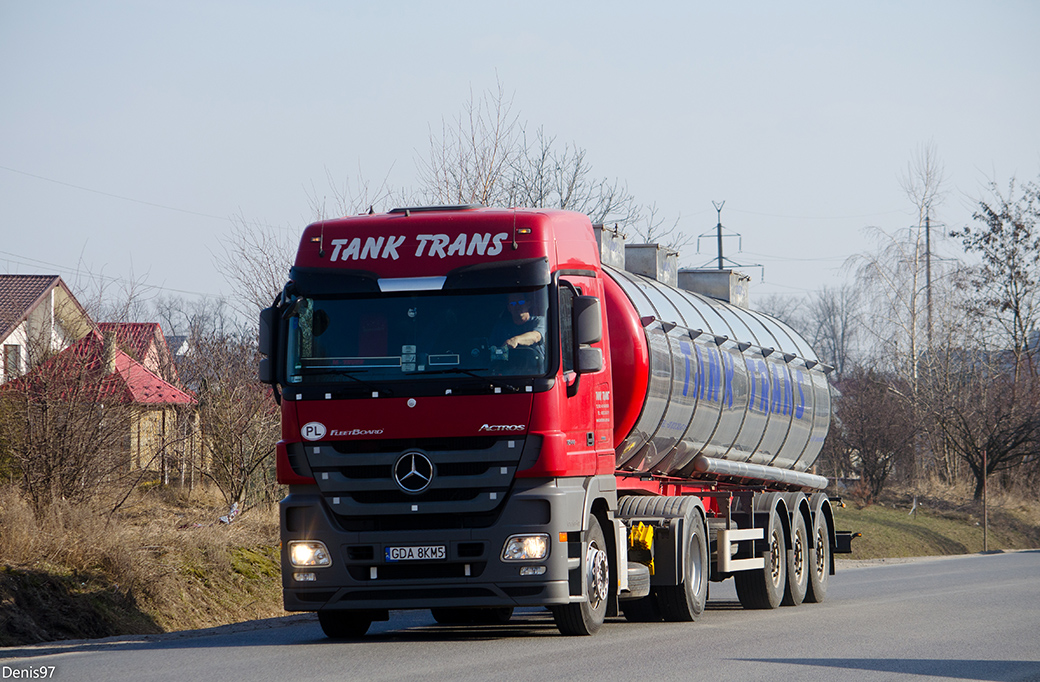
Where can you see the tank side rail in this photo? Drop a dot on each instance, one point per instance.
(726, 537)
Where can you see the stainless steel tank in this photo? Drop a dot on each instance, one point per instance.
(706, 389)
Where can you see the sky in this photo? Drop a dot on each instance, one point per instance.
(134, 134)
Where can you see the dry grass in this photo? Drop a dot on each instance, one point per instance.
(162, 562)
(947, 521)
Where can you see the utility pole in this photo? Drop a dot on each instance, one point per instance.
(928, 270)
(718, 229)
(722, 263)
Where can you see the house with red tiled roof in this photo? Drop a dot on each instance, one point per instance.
(144, 342)
(39, 316)
(162, 432)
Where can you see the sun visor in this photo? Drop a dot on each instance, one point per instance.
(312, 282)
(524, 272)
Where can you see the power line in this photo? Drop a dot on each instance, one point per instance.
(27, 261)
(818, 217)
(115, 196)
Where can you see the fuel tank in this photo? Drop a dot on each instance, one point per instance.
(704, 389)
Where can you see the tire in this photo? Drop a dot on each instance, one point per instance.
(493, 616)
(685, 602)
(451, 616)
(586, 617)
(763, 588)
(344, 624)
(819, 560)
(797, 563)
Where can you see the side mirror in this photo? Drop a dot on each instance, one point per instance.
(588, 320)
(268, 317)
(589, 360)
(266, 371)
(268, 344)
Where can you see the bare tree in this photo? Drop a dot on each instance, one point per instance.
(471, 160)
(834, 326)
(924, 181)
(66, 425)
(355, 196)
(254, 260)
(1007, 280)
(788, 309)
(239, 419)
(875, 425)
(989, 416)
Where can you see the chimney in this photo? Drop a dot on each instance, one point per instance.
(108, 352)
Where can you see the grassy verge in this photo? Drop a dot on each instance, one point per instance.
(938, 527)
(163, 562)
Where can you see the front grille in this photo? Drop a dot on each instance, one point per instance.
(471, 477)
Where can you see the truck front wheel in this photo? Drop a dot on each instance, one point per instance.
(344, 624)
(586, 617)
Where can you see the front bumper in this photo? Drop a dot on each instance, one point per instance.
(472, 574)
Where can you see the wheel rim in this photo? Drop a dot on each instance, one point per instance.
(821, 551)
(598, 574)
(776, 554)
(694, 575)
(799, 556)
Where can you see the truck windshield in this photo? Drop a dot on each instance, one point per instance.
(405, 336)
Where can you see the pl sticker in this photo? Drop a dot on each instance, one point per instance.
(313, 431)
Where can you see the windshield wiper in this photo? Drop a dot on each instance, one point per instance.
(348, 373)
(495, 382)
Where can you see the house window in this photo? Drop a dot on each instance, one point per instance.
(12, 361)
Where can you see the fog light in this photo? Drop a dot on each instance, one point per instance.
(532, 570)
(308, 553)
(526, 547)
(305, 577)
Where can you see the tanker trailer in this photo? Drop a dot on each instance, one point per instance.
(720, 412)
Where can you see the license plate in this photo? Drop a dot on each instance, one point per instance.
(421, 553)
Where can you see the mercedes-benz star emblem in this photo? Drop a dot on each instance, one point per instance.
(413, 472)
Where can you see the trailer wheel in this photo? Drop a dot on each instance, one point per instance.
(819, 560)
(344, 624)
(763, 588)
(586, 617)
(797, 563)
(685, 601)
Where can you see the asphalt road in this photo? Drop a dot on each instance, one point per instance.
(974, 617)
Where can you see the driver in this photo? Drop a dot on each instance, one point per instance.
(520, 327)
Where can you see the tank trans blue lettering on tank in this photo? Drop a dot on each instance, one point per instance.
(774, 390)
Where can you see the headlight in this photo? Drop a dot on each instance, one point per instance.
(526, 548)
(309, 553)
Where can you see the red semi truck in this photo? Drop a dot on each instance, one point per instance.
(485, 409)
